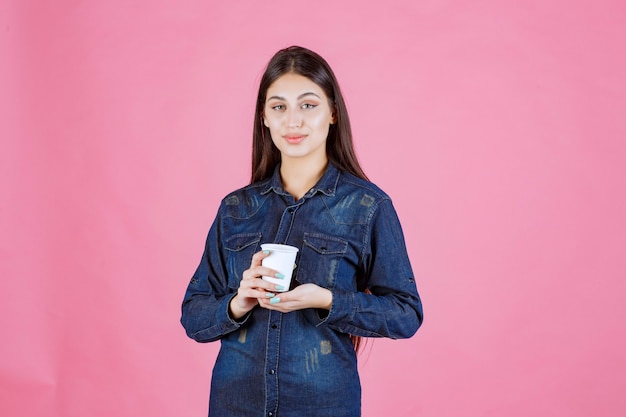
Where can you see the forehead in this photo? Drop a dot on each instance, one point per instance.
(292, 86)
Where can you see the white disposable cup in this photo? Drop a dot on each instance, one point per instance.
(282, 258)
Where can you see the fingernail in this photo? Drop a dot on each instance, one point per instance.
(274, 300)
(269, 294)
(280, 288)
(266, 251)
(279, 275)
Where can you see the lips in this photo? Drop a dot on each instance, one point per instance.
(293, 139)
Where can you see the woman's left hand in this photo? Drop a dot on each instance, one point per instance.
(301, 297)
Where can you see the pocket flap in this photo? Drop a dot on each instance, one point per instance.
(325, 244)
(241, 241)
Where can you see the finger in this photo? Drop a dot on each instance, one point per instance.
(278, 287)
(256, 268)
(278, 304)
(264, 288)
(264, 297)
(258, 293)
(257, 258)
(280, 297)
(271, 303)
(261, 271)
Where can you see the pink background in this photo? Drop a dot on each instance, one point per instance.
(498, 128)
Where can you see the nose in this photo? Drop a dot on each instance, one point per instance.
(295, 119)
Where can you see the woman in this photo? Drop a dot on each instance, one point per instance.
(293, 353)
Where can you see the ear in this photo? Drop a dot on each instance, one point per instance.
(264, 120)
(333, 118)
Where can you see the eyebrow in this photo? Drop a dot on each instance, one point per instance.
(301, 96)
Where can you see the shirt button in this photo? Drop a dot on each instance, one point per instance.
(272, 372)
(274, 326)
(270, 414)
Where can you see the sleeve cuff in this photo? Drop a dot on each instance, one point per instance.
(230, 324)
(341, 309)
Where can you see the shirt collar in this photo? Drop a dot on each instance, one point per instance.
(327, 185)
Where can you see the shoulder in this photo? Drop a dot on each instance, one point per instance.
(246, 200)
(355, 200)
(350, 184)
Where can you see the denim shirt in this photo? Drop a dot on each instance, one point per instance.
(301, 363)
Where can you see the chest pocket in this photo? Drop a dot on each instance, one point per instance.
(239, 249)
(319, 259)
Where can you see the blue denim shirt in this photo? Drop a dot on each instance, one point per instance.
(301, 363)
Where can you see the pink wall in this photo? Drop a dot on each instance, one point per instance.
(497, 127)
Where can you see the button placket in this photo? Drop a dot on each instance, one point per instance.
(286, 221)
(275, 317)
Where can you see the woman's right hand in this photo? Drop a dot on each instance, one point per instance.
(252, 287)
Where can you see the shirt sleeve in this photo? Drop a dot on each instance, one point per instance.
(393, 307)
(205, 307)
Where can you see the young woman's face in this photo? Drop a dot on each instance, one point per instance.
(298, 115)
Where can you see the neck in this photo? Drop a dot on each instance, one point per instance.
(300, 176)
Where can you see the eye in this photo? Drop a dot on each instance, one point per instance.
(309, 106)
(278, 107)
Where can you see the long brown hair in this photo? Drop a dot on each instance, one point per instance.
(339, 147)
